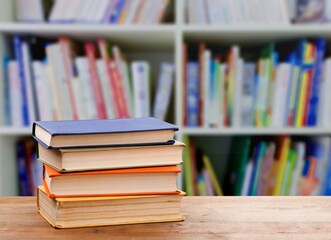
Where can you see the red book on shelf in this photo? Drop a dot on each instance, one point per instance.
(97, 91)
(68, 67)
(202, 68)
(115, 81)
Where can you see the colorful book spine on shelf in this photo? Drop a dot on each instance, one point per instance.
(311, 118)
(192, 90)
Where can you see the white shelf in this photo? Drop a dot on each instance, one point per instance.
(255, 131)
(130, 36)
(253, 34)
(14, 131)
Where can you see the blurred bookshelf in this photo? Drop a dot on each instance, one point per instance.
(157, 43)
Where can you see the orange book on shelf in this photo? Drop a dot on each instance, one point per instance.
(121, 182)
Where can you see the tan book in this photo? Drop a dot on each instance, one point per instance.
(100, 211)
(83, 159)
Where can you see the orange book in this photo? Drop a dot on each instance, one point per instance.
(133, 181)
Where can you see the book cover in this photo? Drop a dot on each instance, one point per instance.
(100, 126)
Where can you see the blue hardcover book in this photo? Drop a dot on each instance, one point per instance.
(23, 175)
(326, 185)
(19, 56)
(257, 163)
(103, 132)
(316, 79)
(6, 92)
(114, 17)
(192, 92)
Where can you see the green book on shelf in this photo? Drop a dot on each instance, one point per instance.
(237, 166)
(213, 177)
(289, 170)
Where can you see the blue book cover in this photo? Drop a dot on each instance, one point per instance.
(326, 185)
(6, 88)
(316, 79)
(114, 17)
(116, 127)
(19, 57)
(192, 91)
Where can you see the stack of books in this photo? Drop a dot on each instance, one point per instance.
(108, 172)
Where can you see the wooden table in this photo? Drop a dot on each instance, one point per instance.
(206, 218)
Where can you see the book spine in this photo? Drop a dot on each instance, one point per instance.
(163, 92)
(24, 103)
(141, 82)
(192, 91)
(95, 81)
(24, 185)
(317, 73)
(15, 93)
(85, 76)
(124, 87)
(114, 80)
(68, 70)
(6, 87)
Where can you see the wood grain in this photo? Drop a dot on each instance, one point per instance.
(206, 218)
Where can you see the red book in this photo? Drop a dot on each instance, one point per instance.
(68, 69)
(202, 68)
(115, 80)
(95, 81)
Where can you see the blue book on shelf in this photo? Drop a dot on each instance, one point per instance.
(192, 94)
(326, 185)
(19, 57)
(6, 88)
(22, 169)
(316, 79)
(259, 153)
(115, 15)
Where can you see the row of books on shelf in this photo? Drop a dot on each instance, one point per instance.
(68, 80)
(264, 166)
(258, 12)
(137, 170)
(93, 12)
(272, 89)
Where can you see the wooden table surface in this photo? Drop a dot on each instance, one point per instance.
(206, 218)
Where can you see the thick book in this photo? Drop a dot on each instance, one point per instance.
(101, 211)
(121, 182)
(86, 159)
(107, 132)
